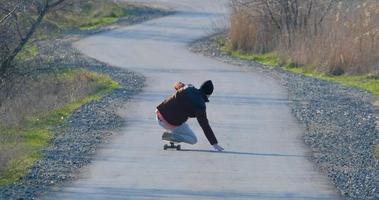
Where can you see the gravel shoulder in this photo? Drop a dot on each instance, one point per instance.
(75, 141)
(339, 121)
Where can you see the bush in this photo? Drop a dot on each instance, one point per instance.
(335, 37)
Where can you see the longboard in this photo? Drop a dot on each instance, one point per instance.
(171, 146)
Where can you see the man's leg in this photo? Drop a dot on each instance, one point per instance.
(183, 133)
(167, 135)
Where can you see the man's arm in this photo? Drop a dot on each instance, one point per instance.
(204, 124)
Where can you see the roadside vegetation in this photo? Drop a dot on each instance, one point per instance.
(368, 82)
(23, 22)
(39, 104)
(332, 40)
(332, 36)
(33, 98)
(87, 15)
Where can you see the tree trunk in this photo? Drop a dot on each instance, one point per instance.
(7, 63)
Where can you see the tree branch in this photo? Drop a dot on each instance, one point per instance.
(271, 14)
(9, 14)
(326, 11)
(54, 4)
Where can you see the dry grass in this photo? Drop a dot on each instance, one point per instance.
(247, 33)
(343, 40)
(30, 105)
(34, 95)
(347, 43)
(244, 33)
(7, 152)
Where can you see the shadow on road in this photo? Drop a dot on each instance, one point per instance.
(243, 153)
(148, 193)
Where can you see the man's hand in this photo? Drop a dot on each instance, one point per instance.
(218, 147)
(178, 85)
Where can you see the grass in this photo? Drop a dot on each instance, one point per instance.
(28, 51)
(35, 134)
(364, 82)
(86, 15)
(271, 60)
(28, 139)
(96, 22)
(33, 139)
(92, 15)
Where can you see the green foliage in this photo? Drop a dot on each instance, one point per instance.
(269, 59)
(35, 134)
(364, 82)
(96, 22)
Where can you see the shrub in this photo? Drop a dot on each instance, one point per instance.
(335, 37)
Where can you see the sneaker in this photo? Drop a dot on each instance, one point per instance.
(166, 136)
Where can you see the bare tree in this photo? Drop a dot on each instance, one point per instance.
(286, 16)
(19, 19)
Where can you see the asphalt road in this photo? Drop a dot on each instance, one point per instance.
(265, 156)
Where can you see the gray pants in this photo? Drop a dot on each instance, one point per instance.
(182, 133)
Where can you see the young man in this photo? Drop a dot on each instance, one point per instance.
(187, 102)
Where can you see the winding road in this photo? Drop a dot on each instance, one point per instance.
(265, 156)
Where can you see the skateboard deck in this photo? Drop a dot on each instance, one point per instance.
(167, 137)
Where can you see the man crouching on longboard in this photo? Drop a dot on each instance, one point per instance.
(187, 102)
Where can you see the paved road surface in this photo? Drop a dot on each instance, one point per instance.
(265, 157)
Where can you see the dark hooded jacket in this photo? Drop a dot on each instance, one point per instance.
(188, 102)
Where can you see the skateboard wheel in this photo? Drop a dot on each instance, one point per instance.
(165, 147)
(178, 147)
